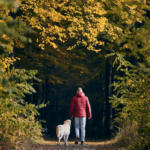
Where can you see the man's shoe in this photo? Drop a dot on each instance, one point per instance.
(82, 143)
(77, 140)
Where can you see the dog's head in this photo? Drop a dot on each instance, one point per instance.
(68, 122)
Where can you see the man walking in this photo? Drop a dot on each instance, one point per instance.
(79, 105)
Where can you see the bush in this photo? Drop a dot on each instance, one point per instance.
(17, 118)
(129, 138)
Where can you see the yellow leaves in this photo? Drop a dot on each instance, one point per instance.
(141, 96)
(129, 21)
(4, 36)
(134, 7)
(90, 47)
(124, 14)
(9, 46)
(6, 62)
(42, 46)
(139, 20)
(53, 44)
(9, 120)
(79, 2)
(131, 7)
(9, 60)
(125, 46)
(72, 34)
(118, 29)
(33, 20)
(77, 22)
(148, 60)
(87, 10)
(71, 47)
(71, 8)
(70, 14)
(98, 9)
(54, 15)
(63, 3)
(84, 43)
(129, 82)
(101, 43)
(36, 10)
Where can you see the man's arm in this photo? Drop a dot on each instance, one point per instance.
(88, 109)
(71, 108)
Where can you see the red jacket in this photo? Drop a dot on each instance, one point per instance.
(79, 105)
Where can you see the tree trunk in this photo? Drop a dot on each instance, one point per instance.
(108, 94)
(42, 110)
(114, 111)
(57, 104)
(46, 110)
(104, 109)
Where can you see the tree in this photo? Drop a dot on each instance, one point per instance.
(93, 24)
(60, 21)
(17, 117)
(133, 85)
(57, 34)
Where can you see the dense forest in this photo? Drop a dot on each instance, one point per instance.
(49, 48)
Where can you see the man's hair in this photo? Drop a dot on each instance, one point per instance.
(79, 89)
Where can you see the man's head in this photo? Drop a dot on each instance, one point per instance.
(79, 89)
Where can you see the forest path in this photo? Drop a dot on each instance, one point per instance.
(52, 145)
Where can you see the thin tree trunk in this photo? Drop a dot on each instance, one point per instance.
(46, 113)
(57, 104)
(114, 109)
(38, 94)
(30, 98)
(43, 98)
(110, 94)
(104, 109)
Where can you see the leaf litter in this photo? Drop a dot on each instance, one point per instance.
(52, 145)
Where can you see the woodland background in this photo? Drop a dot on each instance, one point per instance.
(49, 48)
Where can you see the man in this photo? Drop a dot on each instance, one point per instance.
(79, 105)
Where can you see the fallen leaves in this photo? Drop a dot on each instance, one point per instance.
(52, 145)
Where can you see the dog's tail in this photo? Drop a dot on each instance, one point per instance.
(57, 131)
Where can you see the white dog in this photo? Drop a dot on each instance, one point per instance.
(63, 131)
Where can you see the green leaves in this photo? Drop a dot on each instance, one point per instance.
(15, 115)
(133, 83)
(8, 3)
(111, 54)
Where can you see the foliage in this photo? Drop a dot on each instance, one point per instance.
(63, 20)
(95, 24)
(128, 137)
(57, 65)
(132, 85)
(57, 34)
(17, 118)
(133, 94)
(69, 24)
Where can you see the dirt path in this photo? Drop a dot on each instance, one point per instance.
(52, 145)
